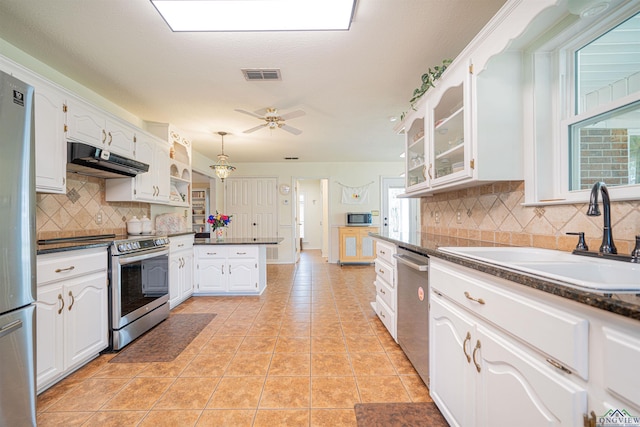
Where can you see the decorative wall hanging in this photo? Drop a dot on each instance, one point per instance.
(355, 195)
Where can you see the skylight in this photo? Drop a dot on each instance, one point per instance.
(256, 15)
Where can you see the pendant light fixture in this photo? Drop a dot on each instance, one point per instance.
(222, 167)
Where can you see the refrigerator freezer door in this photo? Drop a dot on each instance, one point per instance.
(18, 386)
(17, 194)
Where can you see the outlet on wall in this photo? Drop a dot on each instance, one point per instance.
(459, 217)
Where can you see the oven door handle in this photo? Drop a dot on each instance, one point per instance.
(411, 262)
(131, 258)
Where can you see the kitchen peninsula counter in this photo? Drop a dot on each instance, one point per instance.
(623, 304)
(240, 241)
(232, 266)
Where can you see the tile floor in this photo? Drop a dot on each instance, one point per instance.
(302, 354)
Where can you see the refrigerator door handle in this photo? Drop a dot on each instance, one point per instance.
(10, 328)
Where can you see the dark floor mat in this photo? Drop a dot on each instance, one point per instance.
(166, 341)
(421, 414)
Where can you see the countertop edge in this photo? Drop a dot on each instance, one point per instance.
(72, 247)
(596, 300)
(238, 241)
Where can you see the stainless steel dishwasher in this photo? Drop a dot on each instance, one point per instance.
(413, 309)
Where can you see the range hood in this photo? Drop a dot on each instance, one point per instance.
(85, 159)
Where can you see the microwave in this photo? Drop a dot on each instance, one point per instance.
(359, 218)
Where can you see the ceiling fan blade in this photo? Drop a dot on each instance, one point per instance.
(293, 115)
(253, 129)
(263, 111)
(249, 113)
(290, 129)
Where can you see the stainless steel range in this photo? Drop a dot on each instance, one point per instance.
(139, 282)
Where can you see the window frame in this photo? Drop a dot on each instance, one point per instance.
(551, 85)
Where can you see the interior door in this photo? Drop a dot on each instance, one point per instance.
(253, 204)
(399, 215)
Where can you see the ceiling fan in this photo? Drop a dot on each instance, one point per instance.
(273, 119)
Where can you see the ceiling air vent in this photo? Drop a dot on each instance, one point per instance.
(253, 74)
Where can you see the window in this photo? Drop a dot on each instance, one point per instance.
(585, 108)
(607, 74)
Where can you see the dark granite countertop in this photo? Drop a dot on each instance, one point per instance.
(70, 246)
(627, 305)
(104, 241)
(240, 241)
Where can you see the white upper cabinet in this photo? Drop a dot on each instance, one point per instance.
(415, 154)
(49, 120)
(92, 126)
(450, 146)
(472, 119)
(151, 186)
(178, 165)
(51, 145)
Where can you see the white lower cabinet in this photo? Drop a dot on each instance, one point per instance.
(482, 375)
(180, 269)
(385, 283)
(71, 312)
(230, 269)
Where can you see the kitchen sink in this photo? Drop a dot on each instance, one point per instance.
(587, 273)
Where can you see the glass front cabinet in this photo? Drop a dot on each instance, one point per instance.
(449, 129)
(470, 128)
(416, 170)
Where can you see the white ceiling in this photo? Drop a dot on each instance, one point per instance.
(349, 82)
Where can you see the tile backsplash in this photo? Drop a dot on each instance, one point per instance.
(494, 213)
(83, 210)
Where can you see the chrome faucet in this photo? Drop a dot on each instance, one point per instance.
(607, 247)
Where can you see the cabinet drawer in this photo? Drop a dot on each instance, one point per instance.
(211, 251)
(385, 251)
(243, 252)
(177, 243)
(387, 273)
(65, 265)
(558, 334)
(386, 315)
(385, 293)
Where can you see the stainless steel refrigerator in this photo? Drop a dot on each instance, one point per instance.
(17, 254)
